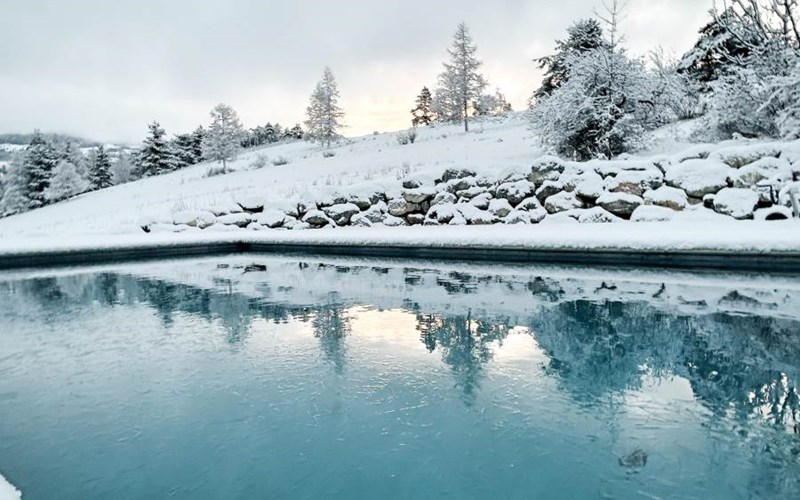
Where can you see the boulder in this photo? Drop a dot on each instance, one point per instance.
(475, 216)
(537, 215)
(529, 204)
(360, 220)
(635, 182)
(456, 173)
(456, 185)
(415, 219)
(548, 189)
(361, 201)
(516, 191)
(290, 222)
(773, 213)
(225, 209)
(419, 195)
(620, 204)
(341, 213)
(392, 221)
(652, 213)
(252, 204)
(739, 156)
(561, 202)
(241, 219)
(194, 218)
(518, 217)
(443, 213)
(500, 207)
(374, 213)
(596, 215)
(399, 207)
(472, 192)
(588, 185)
(443, 198)
(271, 218)
(737, 203)
(546, 168)
(708, 201)
(668, 197)
(481, 201)
(316, 218)
(761, 170)
(699, 177)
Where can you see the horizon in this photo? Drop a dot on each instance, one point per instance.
(74, 82)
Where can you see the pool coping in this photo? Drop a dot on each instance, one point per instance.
(783, 261)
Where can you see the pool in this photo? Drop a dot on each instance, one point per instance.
(256, 376)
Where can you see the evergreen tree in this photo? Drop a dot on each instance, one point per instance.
(222, 139)
(295, 133)
(492, 105)
(122, 170)
(101, 170)
(323, 113)
(460, 84)
(73, 154)
(583, 36)
(15, 190)
(183, 150)
(155, 156)
(65, 183)
(423, 114)
(40, 160)
(197, 144)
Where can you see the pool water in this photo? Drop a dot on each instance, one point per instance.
(280, 377)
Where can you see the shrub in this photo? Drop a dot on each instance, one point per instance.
(260, 161)
(328, 154)
(281, 160)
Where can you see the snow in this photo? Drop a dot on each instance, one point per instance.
(699, 177)
(667, 196)
(738, 203)
(8, 491)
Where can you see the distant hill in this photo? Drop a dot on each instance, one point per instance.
(24, 139)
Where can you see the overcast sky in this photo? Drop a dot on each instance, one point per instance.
(104, 69)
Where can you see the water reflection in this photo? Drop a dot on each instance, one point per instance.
(735, 341)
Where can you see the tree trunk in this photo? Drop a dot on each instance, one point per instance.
(466, 117)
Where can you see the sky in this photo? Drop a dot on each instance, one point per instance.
(104, 70)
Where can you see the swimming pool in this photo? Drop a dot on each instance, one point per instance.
(314, 377)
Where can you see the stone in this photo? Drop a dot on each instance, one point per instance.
(225, 209)
(737, 203)
(546, 168)
(500, 207)
(529, 204)
(563, 201)
(444, 213)
(415, 219)
(362, 202)
(399, 207)
(194, 218)
(516, 191)
(764, 169)
(252, 204)
(548, 189)
(241, 219)
(699, 177)
(271, 218)
(620, 204)
(668, 197)
(652, 213)
(456, 173)
(361, 220)
(443, 198)
(341, 213)
(419, 195)
(316, 218)
(773, 213)
(481, 201)
(518, 217)
(392, 221)
(597, 215)
(472, 192)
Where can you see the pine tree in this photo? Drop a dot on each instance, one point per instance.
(460, 84)
(101, 170)
(423, 114)
(183, 150)
(323, 113)
(197, 144)
(155, 156)
(583, 36)
(65, 183)
(222, 140)
(40, 160)
(15, 190)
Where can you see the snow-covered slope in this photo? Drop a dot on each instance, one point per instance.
(493, 145)
(7, 491)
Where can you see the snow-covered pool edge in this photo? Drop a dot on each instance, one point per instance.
(8, 491)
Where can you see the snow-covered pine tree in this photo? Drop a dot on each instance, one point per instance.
(492, 105)
(155, 156)
(15, 190)
(100, 173)
(423, 113)
(460, 84)
(183, 150)
(583, 36)
(122, 169)
(65, 182)
(197, 144)
(40, 160)
(72, 153)
(323, 115)
(295, 133)
(222, 140)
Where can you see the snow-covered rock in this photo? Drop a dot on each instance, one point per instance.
(271, 218)
(252, 204)
(240, 220)
(399, 207)
(392, 221)
(760, 170)
(614, 167)
(443, 198)
(317, 218)
(668, 197)
(699, 177)
(548, 189)
(500, 207)
(470, 193)
(419, 195)
(362, 201)
(587, 185)
(194, 218)
(458, 184)
(481, 201)
(785, 195)
(341, 213)
(739, 156)
(559, 218)
(415, 219)
(529, 204)
(652, 213)
(773, 213)
(475, 216)
(456, 173)
(735, 202)
(515, 192)
(444, 213)
(635, 182)
(546, 168)
(620, 204)
(561, 202)
(361, 220)
(596, 215)
(225, 208)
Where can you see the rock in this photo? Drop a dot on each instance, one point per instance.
(241, 219)
(475, 216)
(588, 185)
(341, 213)
(739, 156)
(546, 168)
(559, 218)
(458, 220)
(443, 198)
(596, 215)
(431, 222)
(561, 202)
(537, 215)
(764, 169)
(194, 218)
(620, 204)
(481, 201)
(737, 203)
(412, 183)
(377, 197)
(456, 173)
(472, 192)
(456, 185)
(785, 195)
(252, 204)
(399, 207)
(360, 220)
(518, 217)
(225, 209)
(548, 189)
(615, 167)
(668, 197)
(317, 218)
(415, 219)
(500, 207)
(652, 213)
(708, 201)
(362, 202)
(271, 218)
(515, 192)
(419, 195)
(290, 222)
(634, 460)
(392, 221)
(699, 177)
(529, 204)
(302, 226)
(485, 181)
(444, 213)
(635, 182)
(773, 213)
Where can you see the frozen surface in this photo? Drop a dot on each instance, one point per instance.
(8, 491)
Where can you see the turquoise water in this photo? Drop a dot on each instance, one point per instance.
(267, 377)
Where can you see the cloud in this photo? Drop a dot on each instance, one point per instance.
(105, 69)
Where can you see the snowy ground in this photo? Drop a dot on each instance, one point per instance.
(7, 491)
